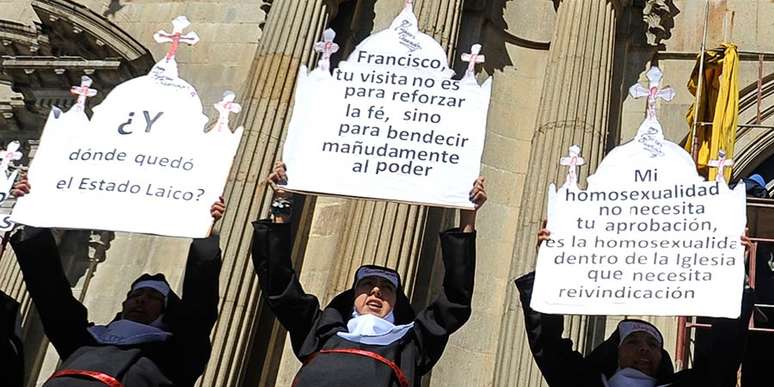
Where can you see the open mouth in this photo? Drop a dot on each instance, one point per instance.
(374, 304)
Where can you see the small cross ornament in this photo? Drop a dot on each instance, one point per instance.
(10, 154)
(225, 107)
(653, 92)
(408, 3)
(721, 163)
(83, 91)
(573, 160)
(176, 37)
(473, 58)
(327, 48)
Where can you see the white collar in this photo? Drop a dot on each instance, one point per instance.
(373, 330)
(127, 332)
(629, 377)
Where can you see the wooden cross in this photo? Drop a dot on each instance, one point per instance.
(653, 92)
(176, 37)
(83, 91)
(327, 48)
(225, 107)
(573, 160)
(473, 58)
(11, 153)
(721, 163)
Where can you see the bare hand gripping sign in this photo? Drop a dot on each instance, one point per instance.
(390, 122)
(144, 163)
(647, 237)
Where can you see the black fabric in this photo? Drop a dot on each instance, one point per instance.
(178, 361)
(561, 366)
(11, 350)
(312, 329)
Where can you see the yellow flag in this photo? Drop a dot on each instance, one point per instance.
(719, 104)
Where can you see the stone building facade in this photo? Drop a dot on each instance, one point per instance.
(561, 70)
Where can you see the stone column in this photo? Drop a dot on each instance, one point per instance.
(291, 28)
(573, 110)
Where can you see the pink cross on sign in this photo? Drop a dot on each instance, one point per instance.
(225, 107)
(83, 91)
(573, 160)
(409, 3)
(653, 92)
(11, 153)
(473, 58)
(327, 47)
(721, 163)
(176, 37)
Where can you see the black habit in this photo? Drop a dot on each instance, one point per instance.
(178, 361)
(313, 330)
(563, 367)
(11, 354)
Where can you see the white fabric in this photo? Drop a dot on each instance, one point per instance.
(127, 332)
(626, 328)
(159, 286)
(374, 272)
(373, 330)
(629, 377)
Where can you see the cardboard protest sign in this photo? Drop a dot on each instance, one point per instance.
(648, 236)
(144, 163)
(389, 122)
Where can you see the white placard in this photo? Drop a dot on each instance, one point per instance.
(389, 123)
(647, 237)
(144, 163)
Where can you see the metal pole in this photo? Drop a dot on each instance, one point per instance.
(695, 145)
(682, 321)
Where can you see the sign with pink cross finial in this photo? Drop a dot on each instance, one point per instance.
(654, 92)
(9, 155)
(721, 163)
(83, 91)
(572, 161)
(176, 37)
(408, 3)
(327, 48)
(473, 58)
(225, 107)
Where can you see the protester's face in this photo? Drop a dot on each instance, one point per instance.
(640, 351)
(374, 295)
(143, 305)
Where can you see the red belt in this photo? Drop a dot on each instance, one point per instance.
(96, 375)
(402, 380)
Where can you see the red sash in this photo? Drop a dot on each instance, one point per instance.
(402, 380)
(95, 375)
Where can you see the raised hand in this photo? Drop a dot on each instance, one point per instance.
(478, 197)
(21, 188)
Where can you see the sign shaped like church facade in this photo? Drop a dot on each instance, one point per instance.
(648, 236)
(145, 162)
(390, 122)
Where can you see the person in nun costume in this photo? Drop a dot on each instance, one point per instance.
(158, 339)
(368, 335)
(633, 355)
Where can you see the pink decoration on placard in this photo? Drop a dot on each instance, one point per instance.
(573, 160)
(225, 107)
(473, 58)
(11, 153)
(721, 163)
(83, 91)
(653, 92)
(176, 37)
(327, 48)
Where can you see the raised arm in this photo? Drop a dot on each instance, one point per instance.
(64, 318)
(451, 309)
(271, 249)
(192, 320)
(560, 365)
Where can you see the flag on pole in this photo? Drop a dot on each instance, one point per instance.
(719, 104)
